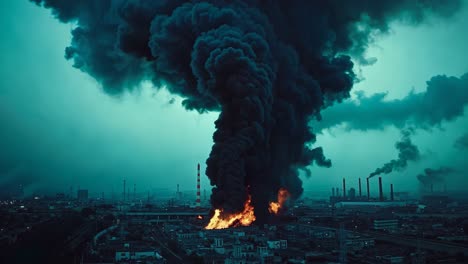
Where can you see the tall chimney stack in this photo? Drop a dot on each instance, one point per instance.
(432, 188)
(360, 193)
(197, 202)
(380, 190)
(391, 191)
(344, 188)
(368, 189)
(333, 192)
(124, 190)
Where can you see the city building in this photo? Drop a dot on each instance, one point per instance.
(390, 225)
(82, 195)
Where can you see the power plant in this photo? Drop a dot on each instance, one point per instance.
(350, 194)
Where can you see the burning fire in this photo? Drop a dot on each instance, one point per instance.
(283, 196)
(244, 218)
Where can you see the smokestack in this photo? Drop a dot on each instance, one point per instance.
(333, 192)
(360, 193)
(344, 188)
(432, 188)
(124, 190)
(134, 192)
(380, 190)
(197, 202)
(391, 191)
(368, 189)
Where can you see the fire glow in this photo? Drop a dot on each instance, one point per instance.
(283, 196)
(244, 218)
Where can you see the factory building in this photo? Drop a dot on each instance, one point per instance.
(389, 225)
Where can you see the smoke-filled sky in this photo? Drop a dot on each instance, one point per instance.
(60, 126)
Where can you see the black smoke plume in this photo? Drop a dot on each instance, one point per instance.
(449, 94)
(267, 66)
(434, 176)
(407, 151)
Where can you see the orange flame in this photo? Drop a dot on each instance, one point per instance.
(244, 218)
(283, 196)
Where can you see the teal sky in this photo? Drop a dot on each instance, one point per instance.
(60, 129)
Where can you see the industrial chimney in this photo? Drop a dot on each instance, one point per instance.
(333, 192)
(344, 188)
(432, 188)
(380, 190)
(124, 190)
(391, 192)
(368, 189)
(360, 193)
(197, 202)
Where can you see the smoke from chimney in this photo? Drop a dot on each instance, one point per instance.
(407, 151)
(434, 176)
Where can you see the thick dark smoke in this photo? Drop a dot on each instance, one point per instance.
(407, 151)
(462, 142)
(434, 176)
(448, 94)
(267, 66)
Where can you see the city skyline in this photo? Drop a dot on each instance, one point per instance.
(61, 127)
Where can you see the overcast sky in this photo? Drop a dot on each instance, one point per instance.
(58, 129)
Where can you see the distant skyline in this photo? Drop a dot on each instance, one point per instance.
(59, 129)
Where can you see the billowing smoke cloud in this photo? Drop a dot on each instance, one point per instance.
(462, 142)
(449, 94)
(407, 151)
(434, 176)
(267, 66)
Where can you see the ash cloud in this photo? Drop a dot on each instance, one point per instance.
(407, 151)
(448, 94)
(267, 66)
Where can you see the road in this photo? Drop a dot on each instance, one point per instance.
(174, 258)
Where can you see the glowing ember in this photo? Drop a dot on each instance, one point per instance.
(199, 217)
(244, 218)
(283, 196)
